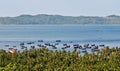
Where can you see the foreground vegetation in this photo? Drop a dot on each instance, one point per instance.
(43, 59)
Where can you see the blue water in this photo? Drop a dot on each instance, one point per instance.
(76, 33)
(64, 32)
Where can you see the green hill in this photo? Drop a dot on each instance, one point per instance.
(58, 19)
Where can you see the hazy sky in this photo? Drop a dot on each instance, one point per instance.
(61, 7)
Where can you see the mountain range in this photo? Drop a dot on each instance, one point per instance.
(58, 19)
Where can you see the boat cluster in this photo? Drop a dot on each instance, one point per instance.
(84, 47)
(41, 43)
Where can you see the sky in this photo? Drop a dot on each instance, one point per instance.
(60, 7)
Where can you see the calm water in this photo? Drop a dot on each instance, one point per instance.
(108, 34)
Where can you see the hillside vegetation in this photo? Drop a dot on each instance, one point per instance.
(43, 59)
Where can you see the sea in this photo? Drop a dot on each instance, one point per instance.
(13, 35)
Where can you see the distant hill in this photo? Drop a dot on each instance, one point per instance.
(58, 19)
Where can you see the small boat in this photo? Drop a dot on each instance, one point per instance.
(47, 44)
(22, 47)
(12, 51)
(64, 44)
(58, 40)
(54, 47)
(80, 47)
(86, 45)
(14, 46)
(93, 50)
(7, 45)
(30, 43)
(33, 47)
(67, 46)
(84, 50)
(102, 45)
(39, 45)
(40, 40)
(10, 48)
(21, 44)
